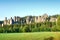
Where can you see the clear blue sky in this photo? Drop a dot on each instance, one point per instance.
(10, 8)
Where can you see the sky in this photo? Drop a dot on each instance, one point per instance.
(11, 8)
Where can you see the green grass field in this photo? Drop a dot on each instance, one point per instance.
(29, 36)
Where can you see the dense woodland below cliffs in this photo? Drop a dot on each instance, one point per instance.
(46, 26)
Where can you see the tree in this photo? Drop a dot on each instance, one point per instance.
(26, 29)
(58, 23)
(1, 30)
(15, 28)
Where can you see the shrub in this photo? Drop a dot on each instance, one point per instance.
(49, 38)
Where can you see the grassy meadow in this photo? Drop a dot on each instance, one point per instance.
(29, 36)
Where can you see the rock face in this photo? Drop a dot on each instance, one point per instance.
(9, 21)
(28, 19)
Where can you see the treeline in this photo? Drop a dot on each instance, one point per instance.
(36, 27)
